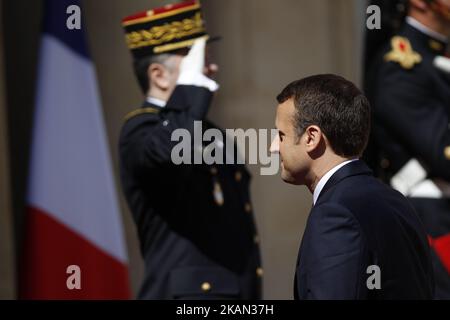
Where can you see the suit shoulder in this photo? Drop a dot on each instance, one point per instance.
(371, 200)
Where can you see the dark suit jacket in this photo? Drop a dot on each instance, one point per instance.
(358, 222)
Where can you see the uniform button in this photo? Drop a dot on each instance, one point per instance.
(248, 207)
(238, 176)
(166, 123)
(384, 163)
(213, 171)
(206, 286)
(447, 152)
(435, 45)
(256, 239)
(259, 272)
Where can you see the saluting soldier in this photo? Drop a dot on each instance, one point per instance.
(195, 222)
(408, 84)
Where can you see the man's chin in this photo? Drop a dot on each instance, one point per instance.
(289, 179)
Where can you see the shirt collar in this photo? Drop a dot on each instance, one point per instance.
(327, 177)
(157, 102)
(424, 29)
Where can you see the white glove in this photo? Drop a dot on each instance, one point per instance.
(442, 63)
(192, 65)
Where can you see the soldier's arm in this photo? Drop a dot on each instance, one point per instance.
(148, 137)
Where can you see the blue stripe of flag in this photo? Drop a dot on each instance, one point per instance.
(55, 24)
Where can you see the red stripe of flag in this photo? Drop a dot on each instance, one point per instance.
(50, 247)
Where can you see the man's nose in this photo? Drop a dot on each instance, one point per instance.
(275, 146)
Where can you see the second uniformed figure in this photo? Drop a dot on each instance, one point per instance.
(195, 222)
(408, 84)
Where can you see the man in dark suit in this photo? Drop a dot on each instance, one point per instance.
(362, 240)
(408, 85)
(195, 221)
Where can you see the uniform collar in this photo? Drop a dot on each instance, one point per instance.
(424, 29)
(180, 99)
(430, 39)
(155, 102)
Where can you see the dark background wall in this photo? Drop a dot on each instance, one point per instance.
(7, 265)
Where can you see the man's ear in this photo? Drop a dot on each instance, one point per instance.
(158, 76)
(315, 141)
(420, 5)
(313, 138)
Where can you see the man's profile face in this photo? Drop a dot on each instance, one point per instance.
(293, 156)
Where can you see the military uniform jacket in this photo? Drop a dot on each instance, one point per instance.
(410, 142)
(194, 221)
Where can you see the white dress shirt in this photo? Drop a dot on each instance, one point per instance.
(156, 102)
(327, 177)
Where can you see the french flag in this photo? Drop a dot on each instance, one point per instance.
(74, 245)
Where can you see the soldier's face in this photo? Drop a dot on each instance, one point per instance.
(442, 7)
(294, 158)
(172, 70)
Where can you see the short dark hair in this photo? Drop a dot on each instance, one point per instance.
(141, 66)
(141, 69)
(336, 106)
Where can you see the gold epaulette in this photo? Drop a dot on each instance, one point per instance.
(140, 111)
(403, 53)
